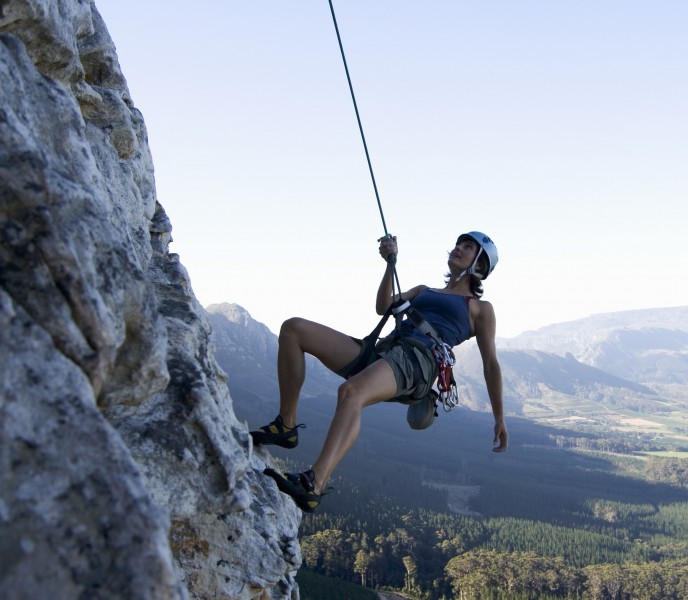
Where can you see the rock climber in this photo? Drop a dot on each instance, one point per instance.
(403, 365)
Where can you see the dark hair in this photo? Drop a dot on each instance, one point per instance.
(476, 285)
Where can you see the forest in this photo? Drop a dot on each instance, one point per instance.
(546, 520)
(613, 550)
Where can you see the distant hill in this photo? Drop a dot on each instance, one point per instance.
(534, 376)
(247, 350)
(618, 370)
(644, 346)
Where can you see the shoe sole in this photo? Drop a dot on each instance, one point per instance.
(306, 501)
(270, 439)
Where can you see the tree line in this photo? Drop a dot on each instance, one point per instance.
(443, 567)
(605, 549)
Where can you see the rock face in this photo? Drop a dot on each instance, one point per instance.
(124, 471)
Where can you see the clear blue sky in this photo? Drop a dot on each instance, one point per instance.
(560, 128)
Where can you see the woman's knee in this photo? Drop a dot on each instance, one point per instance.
(291, 327)
(349, 394)
(374, 384)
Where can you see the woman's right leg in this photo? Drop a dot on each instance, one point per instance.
(299, 336)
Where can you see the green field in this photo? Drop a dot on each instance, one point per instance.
(667, 454)
(665, 430)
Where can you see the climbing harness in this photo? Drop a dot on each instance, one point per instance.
(444, 356)
(442, 352)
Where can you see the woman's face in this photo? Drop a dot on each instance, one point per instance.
(463, 254)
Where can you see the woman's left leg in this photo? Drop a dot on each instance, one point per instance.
(374, 384)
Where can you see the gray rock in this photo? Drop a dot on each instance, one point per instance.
(124, 470)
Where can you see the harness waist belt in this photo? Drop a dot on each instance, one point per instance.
(421, 324)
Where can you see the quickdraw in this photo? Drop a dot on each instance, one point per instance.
(446, 384)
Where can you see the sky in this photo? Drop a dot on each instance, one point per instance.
(558, 127)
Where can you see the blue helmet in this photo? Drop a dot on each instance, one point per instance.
(487, 247)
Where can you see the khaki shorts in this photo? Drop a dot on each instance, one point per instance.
(412, 383)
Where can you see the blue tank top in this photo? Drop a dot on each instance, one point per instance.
(447, 313)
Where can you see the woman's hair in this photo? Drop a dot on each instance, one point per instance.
(476, 286)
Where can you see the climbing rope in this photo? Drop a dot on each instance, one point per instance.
(443, 353)
(392, 257)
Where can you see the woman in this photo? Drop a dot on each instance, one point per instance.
(403, 365)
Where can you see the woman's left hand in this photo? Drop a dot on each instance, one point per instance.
(501, 437)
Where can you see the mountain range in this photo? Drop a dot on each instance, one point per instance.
(622, 370)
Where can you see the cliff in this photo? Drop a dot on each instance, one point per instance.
(125, 473)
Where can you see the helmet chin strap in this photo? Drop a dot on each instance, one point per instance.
(472, 270)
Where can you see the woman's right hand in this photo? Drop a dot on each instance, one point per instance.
(388, 247)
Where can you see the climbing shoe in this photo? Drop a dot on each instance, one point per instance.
(300, 487)
(277, 434)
